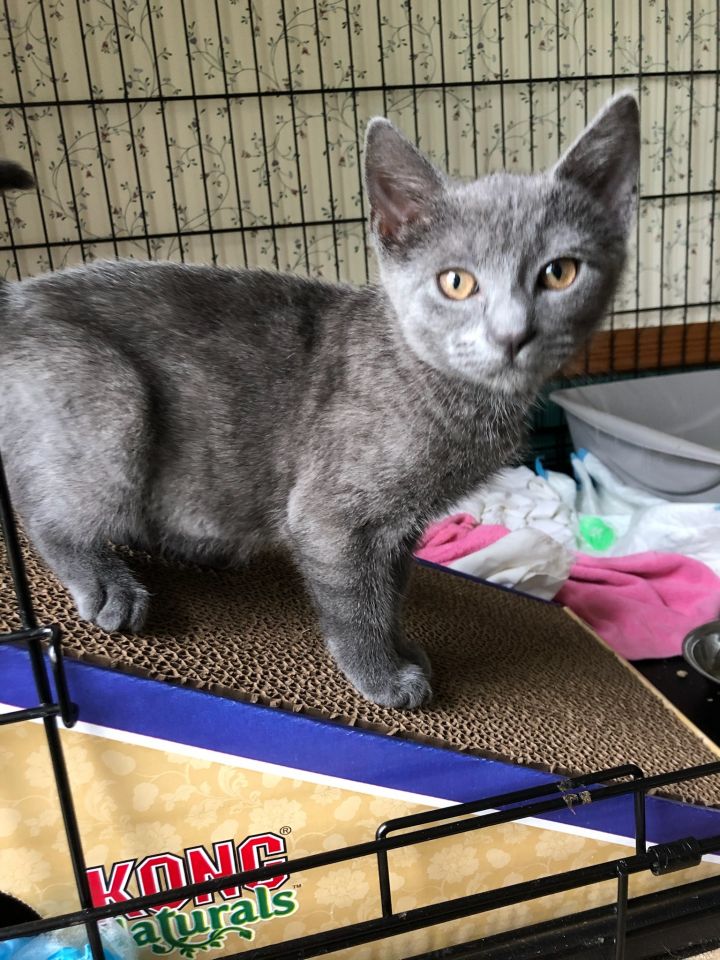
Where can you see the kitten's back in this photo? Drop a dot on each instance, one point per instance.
(156, 384)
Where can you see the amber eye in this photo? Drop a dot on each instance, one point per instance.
(457, 284)
(559, 274)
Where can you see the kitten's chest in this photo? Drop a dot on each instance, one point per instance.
(449, 464)
(456, 470)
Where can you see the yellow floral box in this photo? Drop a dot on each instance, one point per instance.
(173, 787)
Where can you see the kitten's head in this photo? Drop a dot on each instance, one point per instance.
(499, 281)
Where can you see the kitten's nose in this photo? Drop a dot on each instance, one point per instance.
(512, 343)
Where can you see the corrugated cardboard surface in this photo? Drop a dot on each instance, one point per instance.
(514, 678)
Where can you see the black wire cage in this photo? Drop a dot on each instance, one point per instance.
(230, 131)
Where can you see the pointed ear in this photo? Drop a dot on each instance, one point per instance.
(606, 156)
(400, 182)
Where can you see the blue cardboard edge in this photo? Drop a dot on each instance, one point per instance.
(183, 715)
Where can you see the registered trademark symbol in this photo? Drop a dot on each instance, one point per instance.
(284, 831)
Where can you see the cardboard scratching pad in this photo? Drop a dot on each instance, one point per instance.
(514, 678)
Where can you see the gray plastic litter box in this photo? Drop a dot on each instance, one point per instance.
(658, 433)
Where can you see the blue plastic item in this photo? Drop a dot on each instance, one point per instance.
(71, 944)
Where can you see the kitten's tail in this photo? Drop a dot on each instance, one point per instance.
(14, 177)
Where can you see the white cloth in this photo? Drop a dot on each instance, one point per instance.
(642, 521)
(527, 560)
(518, 499)
(558, 507)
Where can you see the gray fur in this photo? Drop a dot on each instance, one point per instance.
(208, 411)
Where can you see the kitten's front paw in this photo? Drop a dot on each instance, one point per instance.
(115, 606)
(407, 688)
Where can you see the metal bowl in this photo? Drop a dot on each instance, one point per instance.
(701, 649)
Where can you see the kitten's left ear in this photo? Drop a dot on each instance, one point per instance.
(606, 156)
(400, 182)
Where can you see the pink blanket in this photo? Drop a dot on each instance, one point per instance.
(641, 605)
(456, 537)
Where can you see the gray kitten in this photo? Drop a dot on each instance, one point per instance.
(210, 411)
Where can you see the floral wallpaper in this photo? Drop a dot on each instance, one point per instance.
(230, 130)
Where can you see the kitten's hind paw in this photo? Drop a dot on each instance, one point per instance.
(407, 688)
(416, 654)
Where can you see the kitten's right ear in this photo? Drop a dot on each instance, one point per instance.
(400, 182)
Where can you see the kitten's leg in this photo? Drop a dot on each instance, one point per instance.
(100, 583)
(358, 583)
